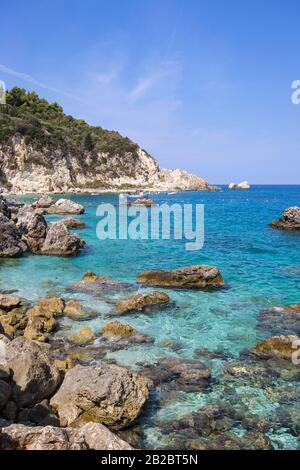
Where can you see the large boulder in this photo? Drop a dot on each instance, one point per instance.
(197, 277)
(92, 436)
(289, 220)
(65, 206)
(103, 393)
(11, 244)
(59, 241)
(139, 302)
(33, 229)
(35, 376)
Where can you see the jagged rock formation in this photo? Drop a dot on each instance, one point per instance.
(26, 229)
(42, 150)
(289, 220)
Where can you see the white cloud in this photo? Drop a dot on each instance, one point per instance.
(154, 78)
(28, 78)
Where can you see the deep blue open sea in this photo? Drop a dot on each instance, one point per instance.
(261, 268)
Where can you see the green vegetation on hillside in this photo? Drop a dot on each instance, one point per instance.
(45, 126)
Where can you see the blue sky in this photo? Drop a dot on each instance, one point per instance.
(202, 85)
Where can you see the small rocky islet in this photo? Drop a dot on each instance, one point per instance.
(45, 377)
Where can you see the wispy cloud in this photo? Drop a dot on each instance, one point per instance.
(28, 78)
(154, 78)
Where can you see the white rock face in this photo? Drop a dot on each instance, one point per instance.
(242, 185)
(180, 180)
(27, 170)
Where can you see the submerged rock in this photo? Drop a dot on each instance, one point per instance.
(35, 376)
(198, 277)
(59, 241)
(100, 286)
(11, 244)
(281, 320)
(104, 393)
(65, 206)
(83, 336)
(181, 374)
(92, 436)
(120, 335)
(75, 310)
(140, 302)
(73, 223)
(289, 220)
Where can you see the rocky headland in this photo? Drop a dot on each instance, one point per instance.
(42, 150)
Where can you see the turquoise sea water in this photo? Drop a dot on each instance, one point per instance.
(261, 268)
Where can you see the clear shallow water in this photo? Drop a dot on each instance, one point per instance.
(261, 268)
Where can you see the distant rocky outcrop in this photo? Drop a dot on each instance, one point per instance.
(42, 150)
(242, 185)
(289, 220)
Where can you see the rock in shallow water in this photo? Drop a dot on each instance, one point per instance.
(280, 320)
(282, 347)
(138, 302)
(75, 310)
(119, 335)
(104, 393)
(195, 277)
(83, 336)
(289, 220)
(60, 242)
(65, 206)
(73, 223)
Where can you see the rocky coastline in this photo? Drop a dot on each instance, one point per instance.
(61, 390)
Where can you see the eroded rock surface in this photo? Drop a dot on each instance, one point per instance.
(103, 393)
(197, 277)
